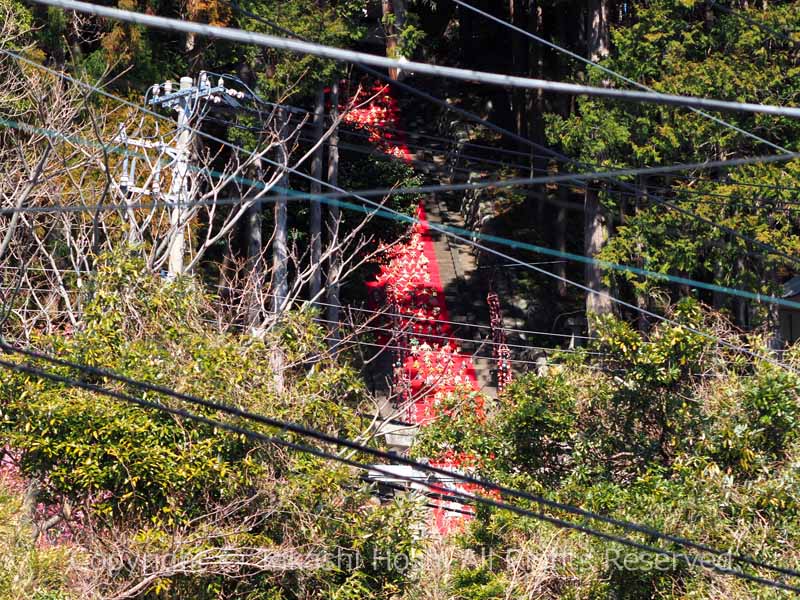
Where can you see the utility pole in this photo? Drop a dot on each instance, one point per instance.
(186, 101)
(179, 189)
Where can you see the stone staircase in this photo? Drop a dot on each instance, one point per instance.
(465, 288)
(466, 299)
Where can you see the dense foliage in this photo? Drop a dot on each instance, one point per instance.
(155, 479)
(656, 422)
(691, 48)
(675, 434)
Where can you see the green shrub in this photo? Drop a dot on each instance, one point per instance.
(143, 478)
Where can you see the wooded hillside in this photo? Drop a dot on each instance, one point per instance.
(277, 325)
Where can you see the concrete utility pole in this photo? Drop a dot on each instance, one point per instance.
(179, 189)
(186, 101)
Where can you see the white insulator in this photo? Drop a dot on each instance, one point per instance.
(168, 87)
(155, 90)
(221, 82)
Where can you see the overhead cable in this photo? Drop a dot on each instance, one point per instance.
(661, 170)
(380, 210)
(358, 447)
(339, 54)
(767, 247)
(467, 238)
(471, 116)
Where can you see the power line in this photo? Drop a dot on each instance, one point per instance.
(354, 342)
(257, 436)
(769, 248)
(423, 165)
(425, 189)
(731, 162)
(459, 323)
(374, 152)
(520, 361)
(409, 133)
(454, 142)
(339, 54)
(470, 116)
(432, 336)
(763, 246)
(425, 336)
(389, 346)
(646, 189)
(467, 158)
(380, 209)
(346, 308)
(437, 101)
(346, 443)
(677, 193)
(386, 212)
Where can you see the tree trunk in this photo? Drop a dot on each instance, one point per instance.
(335, 260)
(596, 230)
(595, 235)
(316, 207)
(394, 16)
(254, 239)
(561, 242)
(519, 59)
(280, 247)
(597, 38)
(255, 262)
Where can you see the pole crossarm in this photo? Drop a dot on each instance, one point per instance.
(217, 94)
